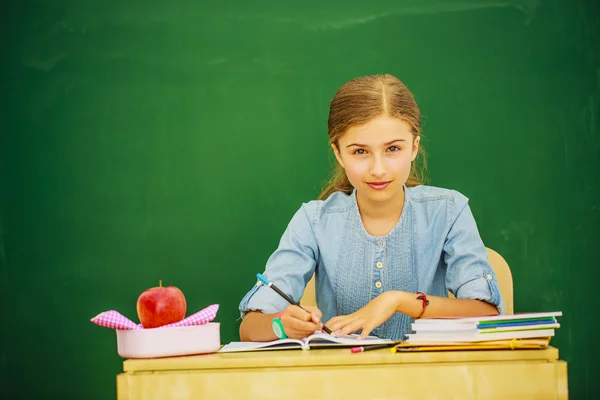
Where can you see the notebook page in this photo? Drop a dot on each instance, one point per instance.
(350, 340)
(253, 346)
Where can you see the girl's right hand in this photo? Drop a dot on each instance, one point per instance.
(299, 324)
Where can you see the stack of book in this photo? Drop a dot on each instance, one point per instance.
(516, 331)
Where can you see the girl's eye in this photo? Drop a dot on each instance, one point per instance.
(359, 151)
(394, 149)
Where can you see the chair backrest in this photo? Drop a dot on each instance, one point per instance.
(505, 280)
(499, 265)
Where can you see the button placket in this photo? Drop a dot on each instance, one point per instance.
(378, 266)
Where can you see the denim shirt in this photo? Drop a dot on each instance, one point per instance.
(434, 248)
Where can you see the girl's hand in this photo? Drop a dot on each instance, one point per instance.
(375, 313)
(299, 324)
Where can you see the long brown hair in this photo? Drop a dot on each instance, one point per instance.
(362, 100)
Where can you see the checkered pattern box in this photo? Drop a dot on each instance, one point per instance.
(195, 334)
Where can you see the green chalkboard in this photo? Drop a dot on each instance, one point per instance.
(174, 140)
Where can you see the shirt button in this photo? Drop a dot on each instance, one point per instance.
(380, 243)
(377, 284)
(489, 276)
(379, 264)
(258, 283)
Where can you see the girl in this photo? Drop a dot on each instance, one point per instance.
(384, 248)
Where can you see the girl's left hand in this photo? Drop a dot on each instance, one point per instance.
(375, 313)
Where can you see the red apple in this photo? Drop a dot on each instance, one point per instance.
(160, 306)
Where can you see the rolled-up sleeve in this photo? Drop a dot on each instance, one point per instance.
(469, 274)
(290, 267)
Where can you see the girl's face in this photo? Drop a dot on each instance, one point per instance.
(377, 157)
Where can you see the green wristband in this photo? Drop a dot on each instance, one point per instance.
(278, 328)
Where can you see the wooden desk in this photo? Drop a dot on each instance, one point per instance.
(338, 374)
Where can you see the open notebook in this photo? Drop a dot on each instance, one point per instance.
(318, 339)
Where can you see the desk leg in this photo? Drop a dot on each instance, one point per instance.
(123, 386)
(562, 386)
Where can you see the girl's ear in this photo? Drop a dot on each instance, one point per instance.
(337, 154)
(415, 148)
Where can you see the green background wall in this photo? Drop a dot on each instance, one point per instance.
(147, 140)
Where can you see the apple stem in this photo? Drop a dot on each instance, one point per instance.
(160, 283)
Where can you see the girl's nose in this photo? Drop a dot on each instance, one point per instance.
(377, 167)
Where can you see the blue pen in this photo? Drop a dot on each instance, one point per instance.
(286, 297)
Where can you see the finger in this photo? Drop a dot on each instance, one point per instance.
(334, 322)
(316, 317)
(296, 324)
(339, 322)
(365, 332)
(314, 310)
(316, 314)
(298, 313)
(351, 327)
(337, 318)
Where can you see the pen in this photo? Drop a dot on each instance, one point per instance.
(285, 296)
(360, 349)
